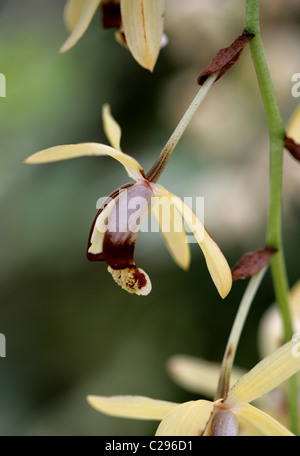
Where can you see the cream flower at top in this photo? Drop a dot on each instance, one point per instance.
(270, 333)
(140, 25)
(116, 225)
(221, 417)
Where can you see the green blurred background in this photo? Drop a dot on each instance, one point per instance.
(70, 331)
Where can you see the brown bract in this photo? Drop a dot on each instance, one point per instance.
(226, 57)
(131, 206)
(251, 263)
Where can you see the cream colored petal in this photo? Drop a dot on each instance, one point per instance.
(143, 27)
(172, 229)
(260, 420)
(139, 407)
(293, 127)
(267, 375)
(248, 430)
(197, 375)
(187, 419)
(111, 127)
(215, 260)
(68, 151)
(100, 227)
(77, 21)
(72, 13)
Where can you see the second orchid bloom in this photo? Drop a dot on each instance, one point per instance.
(115, 228)
(139, 24)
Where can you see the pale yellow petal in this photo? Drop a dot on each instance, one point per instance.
(78, 22)
(111, 127)
(188, 419)
(263, 422)
(68, 151)
(293, 127)
(267, 375)
(72, 13)
(215, 260)
(100, 227)
(139, 407)
(172, 229)
(197, 375)
(143, 27)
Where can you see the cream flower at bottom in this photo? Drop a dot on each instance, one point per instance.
(220, 417)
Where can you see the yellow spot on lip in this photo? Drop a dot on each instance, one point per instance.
(132, 279)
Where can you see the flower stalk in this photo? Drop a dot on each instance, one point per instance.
(274, 228)
(234, 337)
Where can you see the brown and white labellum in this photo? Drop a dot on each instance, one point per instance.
(114, 232)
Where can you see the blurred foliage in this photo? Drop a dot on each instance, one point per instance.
(70, 330)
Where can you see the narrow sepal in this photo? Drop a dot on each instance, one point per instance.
(78, 15)
(139, 407)
(267, 374)
(143, 28)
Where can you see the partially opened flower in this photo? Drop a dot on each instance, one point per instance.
(293, 127)
(139, 23)
(270, 333)
(221, 417)
(115, 228)
(202, 377)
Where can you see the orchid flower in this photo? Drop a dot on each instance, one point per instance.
(139, 22)
(202, 377)
(219, 417)
(115, 228)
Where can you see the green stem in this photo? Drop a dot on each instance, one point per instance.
(234, 337)
(274, 228)
(160, 164)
